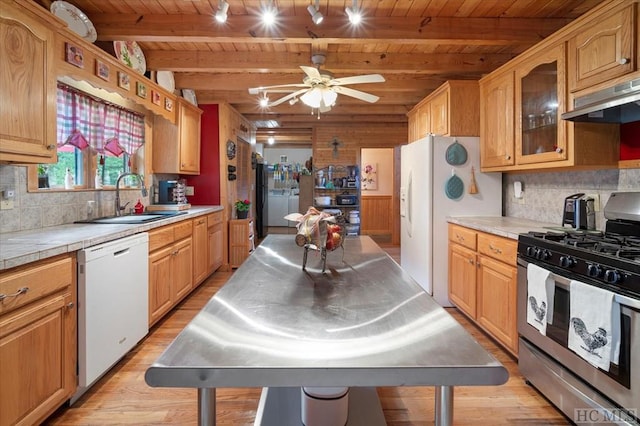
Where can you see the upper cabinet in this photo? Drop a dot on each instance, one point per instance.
(450, 110)
(603, 49)
(28, 87)
(176, 147)
(497, 120)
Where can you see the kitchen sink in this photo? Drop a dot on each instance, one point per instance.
(132, 219)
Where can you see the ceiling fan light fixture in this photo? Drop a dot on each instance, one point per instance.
(221, 13)
(316, 15)
(271, 140)
(264, 101)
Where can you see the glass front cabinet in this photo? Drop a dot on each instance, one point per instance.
(540, 92)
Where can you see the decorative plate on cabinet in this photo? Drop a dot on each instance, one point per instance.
(165, 80)
(76, 19)
(190, 96)
(231, 149)
(130, 54)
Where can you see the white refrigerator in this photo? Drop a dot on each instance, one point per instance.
(435, 183)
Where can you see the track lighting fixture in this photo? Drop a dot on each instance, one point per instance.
(355, 17)
(221, 13)
(269, 13)
(271, 140)
(314, 11)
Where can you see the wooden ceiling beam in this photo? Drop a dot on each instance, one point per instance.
(298, 29)
(348, 63)
(291, 120)
(303, 110)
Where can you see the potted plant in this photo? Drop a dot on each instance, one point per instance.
(242, 208)
(43, 176)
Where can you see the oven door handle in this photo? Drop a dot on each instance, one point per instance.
(566, 283)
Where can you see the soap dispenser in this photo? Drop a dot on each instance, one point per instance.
(139, 207)
(68, 179)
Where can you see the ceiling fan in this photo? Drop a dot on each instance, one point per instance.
(319, 89)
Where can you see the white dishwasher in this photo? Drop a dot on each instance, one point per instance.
(113, 305)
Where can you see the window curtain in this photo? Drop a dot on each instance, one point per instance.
(85, 121)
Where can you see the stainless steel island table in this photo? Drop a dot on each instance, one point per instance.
(363, 323)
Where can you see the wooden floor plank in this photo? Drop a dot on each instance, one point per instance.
(122, 397)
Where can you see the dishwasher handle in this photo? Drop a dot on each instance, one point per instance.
(121, 252)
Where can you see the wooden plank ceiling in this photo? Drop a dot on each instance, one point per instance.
(415, 44)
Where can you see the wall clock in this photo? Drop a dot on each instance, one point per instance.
(231, 149)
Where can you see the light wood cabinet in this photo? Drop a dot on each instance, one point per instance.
(215, 241)
(241, 241)
(28, 87)
(603, 49)
(450, 110)
(497, 120)
(200, 250)
(483, 280)
(38, 339)
(170, 267)
(176, 147)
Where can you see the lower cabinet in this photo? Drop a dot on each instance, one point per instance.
(170, 267)
(200, 250)
(215, 240)
(483, 280)
(241, 242)
(38, 340)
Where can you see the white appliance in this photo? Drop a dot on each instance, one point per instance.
(425, 203)
(113, 305)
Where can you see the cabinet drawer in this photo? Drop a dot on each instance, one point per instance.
(463, 236)
(213, 219)
(183, 229)
(160, 237)
(502, 249)
(40, 279)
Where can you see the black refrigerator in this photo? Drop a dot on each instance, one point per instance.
(262, 196)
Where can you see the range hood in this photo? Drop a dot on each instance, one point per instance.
(617, 104)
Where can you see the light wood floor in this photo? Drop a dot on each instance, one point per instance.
(122, 397)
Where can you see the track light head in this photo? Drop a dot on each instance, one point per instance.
(316, 15)
(221, 13)
(355, 17)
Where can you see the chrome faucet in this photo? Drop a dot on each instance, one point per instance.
(143, 191)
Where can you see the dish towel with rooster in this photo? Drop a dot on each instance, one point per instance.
(540, 297)
(594, 324)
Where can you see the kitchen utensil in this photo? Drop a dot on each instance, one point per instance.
(453, 187)
(473, 187)
(322, 201)
(456, 154)
(76, 19)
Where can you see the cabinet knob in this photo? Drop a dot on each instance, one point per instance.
(495, 249)
(470, 261)
(51, 147)
(16, 294)
(70, 305)
(559, 150)
(459, 237)
(623, 61)
(507, 157)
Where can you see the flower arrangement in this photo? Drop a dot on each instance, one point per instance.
(243, 205)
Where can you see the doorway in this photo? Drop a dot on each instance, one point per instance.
(377, 171)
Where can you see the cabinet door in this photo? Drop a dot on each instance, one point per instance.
(497, 121)
(540, 94)
(27, 79)
(462, 278)
(603, 51)
(200, 250)
(160, 278)
(216, 247)
(189, 139)
(439, 114)
(496, 304)
(182, 264)
(36, 358)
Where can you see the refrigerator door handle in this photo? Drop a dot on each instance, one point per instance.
(410, 204)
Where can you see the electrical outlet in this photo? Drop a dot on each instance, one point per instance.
(519, 200)
(6, 204)
(189, 190)
(596, 201)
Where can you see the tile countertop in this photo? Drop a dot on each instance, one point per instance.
(19, 248)
(508, 227)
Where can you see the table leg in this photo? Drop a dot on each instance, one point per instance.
(206, 406)
(444, 406)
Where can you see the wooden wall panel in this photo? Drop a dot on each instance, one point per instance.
(376, 215)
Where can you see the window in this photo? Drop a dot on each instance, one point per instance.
(95, 139)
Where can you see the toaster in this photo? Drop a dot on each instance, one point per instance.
(579, 212)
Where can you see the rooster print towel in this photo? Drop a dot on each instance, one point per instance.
(540, 293)
(594, 325)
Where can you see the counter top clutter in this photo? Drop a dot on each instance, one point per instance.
(364, 323)
(19, 248)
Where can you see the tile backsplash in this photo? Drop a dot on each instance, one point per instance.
(544, 193)
(39, 210)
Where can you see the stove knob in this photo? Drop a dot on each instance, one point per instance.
(612, 276)
(567, 262)
(594, 271)
(531, 251)
(543, 254)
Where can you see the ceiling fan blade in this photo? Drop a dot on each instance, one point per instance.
(357, 79)
(258, 90)
(312, 72)
(287, 97)
(367, 97)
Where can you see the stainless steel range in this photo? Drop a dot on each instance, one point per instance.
(609, 260)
